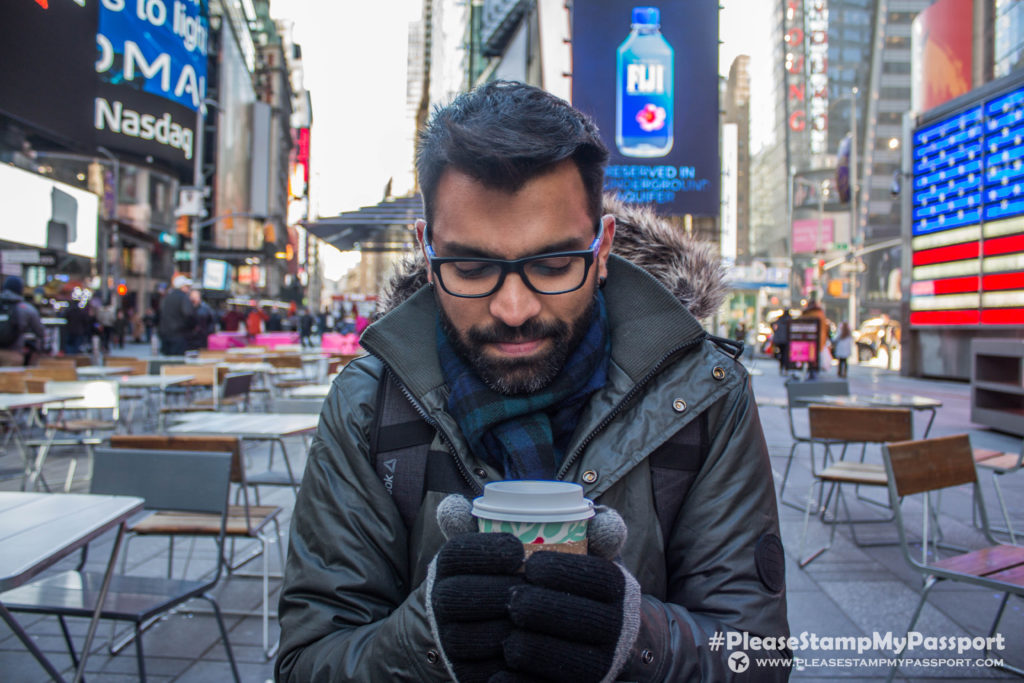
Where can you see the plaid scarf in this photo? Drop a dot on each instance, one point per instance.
(526, 436)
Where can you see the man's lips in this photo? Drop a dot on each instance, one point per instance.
(519, 348)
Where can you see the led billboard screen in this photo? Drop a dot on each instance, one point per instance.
(47, 51)
(968, 215)
(121, 74)
(649, 78)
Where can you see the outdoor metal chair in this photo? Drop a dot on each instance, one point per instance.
(244, 521)
(832, 426)
(796, 393)
(999, 464)
(167, 480)
(932, 465)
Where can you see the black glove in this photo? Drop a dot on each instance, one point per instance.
(468, 589)
(576, 619)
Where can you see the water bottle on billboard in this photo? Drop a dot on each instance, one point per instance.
(644, 102)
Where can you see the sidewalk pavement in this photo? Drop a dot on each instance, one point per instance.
(847, 592)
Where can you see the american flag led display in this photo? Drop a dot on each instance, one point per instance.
(968, 216)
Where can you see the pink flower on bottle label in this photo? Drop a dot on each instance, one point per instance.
(651, 117)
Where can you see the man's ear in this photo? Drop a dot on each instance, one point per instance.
(421, 237)
(605, 249)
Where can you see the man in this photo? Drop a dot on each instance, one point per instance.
(21, 329)
(177, 317)
(206, 322)
(306, 328)
(534, 353)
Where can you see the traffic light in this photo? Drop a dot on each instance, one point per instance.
(122, 289)
(835, 288)
(821, 268)
(183, 227)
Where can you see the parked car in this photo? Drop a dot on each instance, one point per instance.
(875, 335)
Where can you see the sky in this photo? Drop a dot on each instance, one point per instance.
(354, 59)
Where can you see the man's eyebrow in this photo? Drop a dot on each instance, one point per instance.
(459, 250)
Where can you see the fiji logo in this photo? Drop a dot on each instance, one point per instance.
(389, 478)
(645, 79)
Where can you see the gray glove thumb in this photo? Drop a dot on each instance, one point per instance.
(454, 516)
(606, 533)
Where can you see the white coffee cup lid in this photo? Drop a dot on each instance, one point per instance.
(533, 501)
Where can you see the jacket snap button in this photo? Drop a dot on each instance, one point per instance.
(589, 477)
(679, 405)
(718, 372)
(480, 472)
(433, 656)
(647, 657)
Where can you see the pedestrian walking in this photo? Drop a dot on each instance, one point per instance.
(780, 340)
(22, 335)
(842, 347)
(523, 349)
(177, 317)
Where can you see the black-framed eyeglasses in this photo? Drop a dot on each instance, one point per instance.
(555, 273)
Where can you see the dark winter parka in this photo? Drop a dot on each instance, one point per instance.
(352, 605)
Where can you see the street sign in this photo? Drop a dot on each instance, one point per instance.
(841, 246)
(852, 267)
(190, 202)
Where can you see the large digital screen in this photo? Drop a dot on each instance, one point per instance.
(151, 68)
(648, 75)
(968, 215)
(128, 75)
(47, 79)
(46, 213)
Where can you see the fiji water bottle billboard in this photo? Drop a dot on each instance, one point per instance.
(648, 75)
(643, 107)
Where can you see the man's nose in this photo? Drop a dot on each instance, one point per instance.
(514, 303)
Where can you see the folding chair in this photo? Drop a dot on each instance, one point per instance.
(203, 376)
(796, 393)
(920, 467)
(194, 482)
(999, 464)
(833, 426)
(243, 521)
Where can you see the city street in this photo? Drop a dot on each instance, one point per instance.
(847, 592)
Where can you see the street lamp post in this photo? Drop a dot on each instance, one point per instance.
(854, 197)
(198, 180)
(109, 270)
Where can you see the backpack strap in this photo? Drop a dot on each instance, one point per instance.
(400, 443)
(674, 466)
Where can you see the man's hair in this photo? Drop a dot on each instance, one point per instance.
(504, 134)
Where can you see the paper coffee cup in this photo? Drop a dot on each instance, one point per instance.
(544, 515)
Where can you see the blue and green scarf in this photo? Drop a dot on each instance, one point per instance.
(526, 436)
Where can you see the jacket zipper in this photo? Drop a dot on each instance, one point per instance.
(444, 437)
(625, 401)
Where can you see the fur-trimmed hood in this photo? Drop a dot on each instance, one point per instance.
(688, 268)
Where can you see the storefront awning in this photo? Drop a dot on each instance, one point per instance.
(386, 226)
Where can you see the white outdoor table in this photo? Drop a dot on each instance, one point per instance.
(273, 427)
(101, 371)
(310, 391)
(152, 381)
(10, 404)
(39, 529)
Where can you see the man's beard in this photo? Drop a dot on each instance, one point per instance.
(517, 376)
